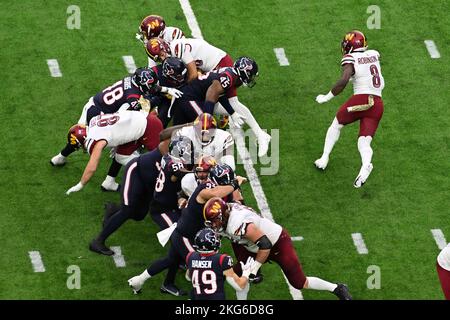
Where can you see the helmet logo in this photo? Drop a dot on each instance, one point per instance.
(245, 65)
(349, 36)
(73, 139)
(154, 43)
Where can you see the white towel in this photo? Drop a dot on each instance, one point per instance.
(164, 235)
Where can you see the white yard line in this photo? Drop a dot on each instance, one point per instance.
(281, 56)
(432, 49)
(191, 19)
(53, 66)
(359, 243)
(36, 261)
(119, 259)
(439, 237)
(129, 63)
(297, 238)
(238, 136)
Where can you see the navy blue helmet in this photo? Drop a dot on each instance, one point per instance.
(206, 241)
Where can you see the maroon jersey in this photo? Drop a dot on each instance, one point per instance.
(112, 98)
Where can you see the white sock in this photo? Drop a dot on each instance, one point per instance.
(60, 155)
(365, 150)
(110, 179)
(242, 295)
(332, 137)
(144, 276)
(319, 284)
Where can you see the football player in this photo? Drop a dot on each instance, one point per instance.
(443, 270)
(172, 73)
(125, 94)
(182, 233)
(258, 237)
(362, 67)
(208, 140)
(208, 268)
(126, 131)
(139, 180)
(164, 209)
(197, 53)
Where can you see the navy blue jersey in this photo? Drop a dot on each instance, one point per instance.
(112, 98)
(192, 220)
(197, 88)
(149, 165)
(167, 185)
(206, 273)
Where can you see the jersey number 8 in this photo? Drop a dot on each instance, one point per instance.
(113, 93)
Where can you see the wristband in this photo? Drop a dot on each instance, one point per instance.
(329, 96)
(255, 267)
(209, 107)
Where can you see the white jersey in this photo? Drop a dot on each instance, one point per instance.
(206, 56)
(222, 141)
(240, 217)
(116, 128)
(171, 33)
(444, 258)
(367, 78)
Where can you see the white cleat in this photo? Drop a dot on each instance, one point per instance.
(136, 284)
(321, 163)
(263, 143)
(110, 186)
(58, 160)
(364, 173)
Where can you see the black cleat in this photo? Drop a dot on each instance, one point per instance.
(110, 209)
(173, 290)
(100, 248)
(342, 292)
(256, 279)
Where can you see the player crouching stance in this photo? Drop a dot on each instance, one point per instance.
(362, 67)
(255, 236)
(208, 268)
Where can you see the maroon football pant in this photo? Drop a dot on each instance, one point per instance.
(444, 277)
(283, 253)
(368, 119)
(150, 138)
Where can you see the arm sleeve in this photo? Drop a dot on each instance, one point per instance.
(233, 283)
(226, 104)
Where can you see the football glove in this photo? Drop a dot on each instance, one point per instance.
(75, 188)
(172, 91)
(246, 268)
(237, 120)
(322, 98)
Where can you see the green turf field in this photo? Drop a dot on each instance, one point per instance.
(405, 197)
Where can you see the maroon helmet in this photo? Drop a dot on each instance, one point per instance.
(213, 213)
(203, 167)
(151, 26)
(157, 49)
(354, 41)
(205, 128)
(76, 136)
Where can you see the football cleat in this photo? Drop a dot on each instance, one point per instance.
(321, 163)
(136, 284)
(364, 173)
(342, 292)
(99, 247)
(187, 276)
(255, 279)
(173, 290)
(263, 143)
(110, 186)
(58, 160)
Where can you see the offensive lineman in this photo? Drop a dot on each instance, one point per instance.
(258, 237)
(362, 67)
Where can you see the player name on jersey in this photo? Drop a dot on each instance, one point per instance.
(364, 60)
(202, 264)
